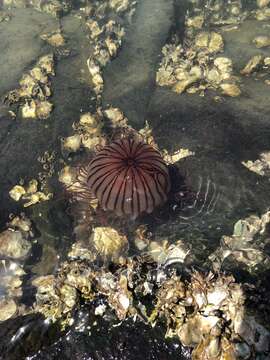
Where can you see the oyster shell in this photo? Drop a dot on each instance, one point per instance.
(72, 143)
(30, 195)
(245, 245)
(119, 5)
(263, 14)
(8, 309)
(212, 41)
(68, 175)
(262, 3)
(35, 89)
(261, 41)
(108, 242)
(17, 192)
(13, 244)
(116, 116)
(260, 166)
(230, 89)
(252, 65)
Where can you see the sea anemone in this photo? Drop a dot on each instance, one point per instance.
(128, 177)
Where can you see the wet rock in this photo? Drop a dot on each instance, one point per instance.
(148, 32)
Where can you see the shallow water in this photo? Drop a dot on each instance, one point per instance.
(221, 133)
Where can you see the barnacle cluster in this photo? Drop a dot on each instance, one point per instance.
(215, 13)
(30, 194)
(105, 35)
(262, 12)
(208, 314)
(260, 166)
(225, 13)
(89, 130)
(14, 241)
(34, 90)
(54, 38)
(47, 160)
(198, 67)
(206, 311)
(258, 65)
(55, 8)
(246, 245)
(57, 295)
(15, 246)
(197, 64)
(88, 133)
(4, 16)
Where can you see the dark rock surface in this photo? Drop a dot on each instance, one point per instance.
(130, 78)
(23, 141)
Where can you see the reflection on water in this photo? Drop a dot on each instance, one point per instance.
(191, 79)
